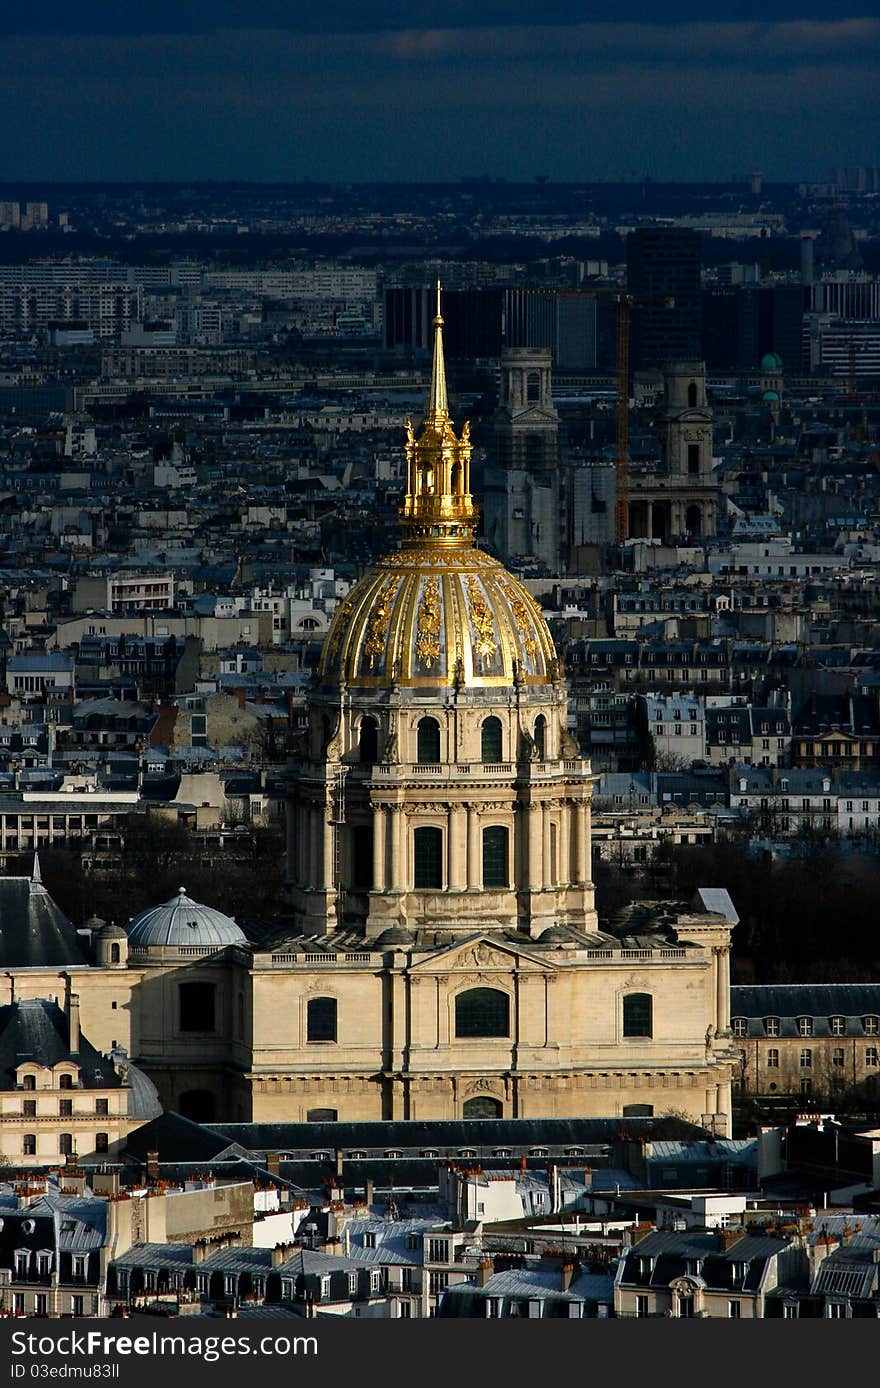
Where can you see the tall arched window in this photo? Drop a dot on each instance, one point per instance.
(368, 741)
(533, 388)
(482, 1012)
(65, 1081)
(541, 736)
(638, 1014)
(28, 1082)
(495, 869)
(492, 740)
(114, 954)
(321, 1019)
(692, 394)
(427, 857)
(428, 741)
(102, 1142)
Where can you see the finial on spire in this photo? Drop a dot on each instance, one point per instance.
(438, 404)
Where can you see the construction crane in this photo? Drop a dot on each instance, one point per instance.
(624, 303)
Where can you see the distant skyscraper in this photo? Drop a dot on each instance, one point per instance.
(664, 263)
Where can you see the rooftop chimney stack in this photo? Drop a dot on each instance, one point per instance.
(73, 1022)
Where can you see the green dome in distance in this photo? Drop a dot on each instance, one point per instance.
(771, 361)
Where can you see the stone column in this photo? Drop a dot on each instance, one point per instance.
(459, 849)
(474, 863)
(535, 845)
(547, 845)
(379, 823)
(581, 867)
(328, 831)
(564, 849)
(398, 821)
(722, 988)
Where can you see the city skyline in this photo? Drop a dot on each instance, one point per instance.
(274, 93)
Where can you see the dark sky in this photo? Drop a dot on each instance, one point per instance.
(274, 89)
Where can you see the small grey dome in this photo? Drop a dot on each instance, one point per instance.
(94, 923)
(110, 932)
(395, 935)
(182, 921)
(555, 935)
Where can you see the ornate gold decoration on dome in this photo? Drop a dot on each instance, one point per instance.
(438, 508)
(378, 628)
(485, 644)
(428, 632)
(518, 598)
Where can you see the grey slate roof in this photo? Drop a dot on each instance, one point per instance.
(34, 932)
(819, 1001)
(37, 1029)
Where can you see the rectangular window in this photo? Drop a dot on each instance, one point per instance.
(837, 1058)
(806, 1059)
(495, 871)
(773, 1059)
(642, 1306)
(734, 1310)
(871, 1056)
(771, 1026)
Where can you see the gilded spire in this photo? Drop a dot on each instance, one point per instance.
(438, 404)
(438, 506)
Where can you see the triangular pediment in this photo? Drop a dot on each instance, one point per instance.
(480, 952)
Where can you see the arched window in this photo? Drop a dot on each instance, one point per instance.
(114, 954)
(638, 1019)
(541, 736)
(322, 1115)
(65, 1081)
(321, 1019)
(427, 857)
(455, 479)
(29, 1144)
(362, 857)
(692, 394)
(368, 741)
(495, 869)
(197, 1007)
(29, 1082)
(428, 736)
(482, 1012)
(533, 388)
(102, 1142)
(482, 1107)
(491, 740)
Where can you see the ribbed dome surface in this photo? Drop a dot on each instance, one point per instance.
(438, 616)
(182, 921)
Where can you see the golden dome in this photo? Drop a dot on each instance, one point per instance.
(438, 611)
(438, 616)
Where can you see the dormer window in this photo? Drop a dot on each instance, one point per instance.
(838, 1026)
(871, 1025)
(740, 1026)
(805, 1026)
(771, 1026)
